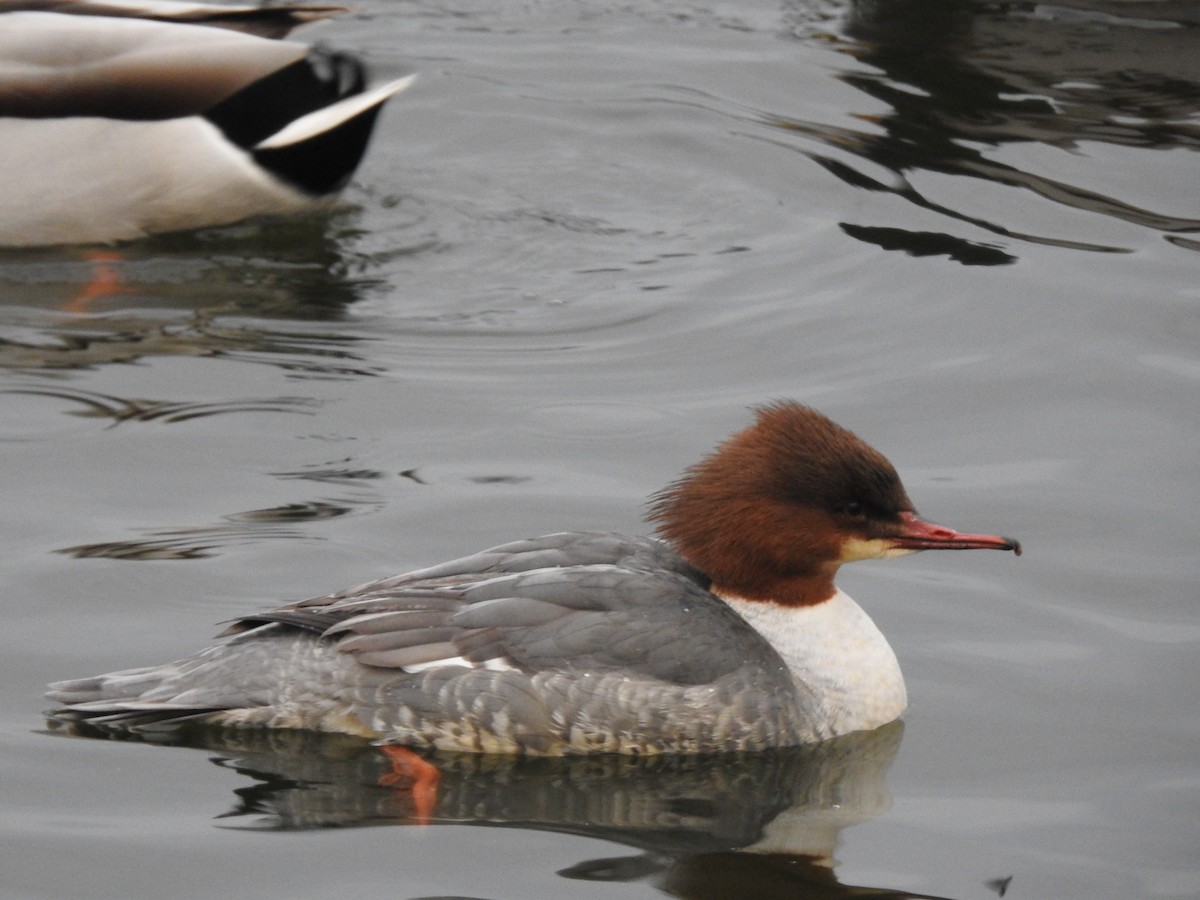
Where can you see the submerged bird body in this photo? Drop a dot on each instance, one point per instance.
(123, 119)
(729, 636)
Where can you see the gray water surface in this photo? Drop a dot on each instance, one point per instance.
(584, 242)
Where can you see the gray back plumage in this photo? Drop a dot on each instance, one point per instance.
(565, 643)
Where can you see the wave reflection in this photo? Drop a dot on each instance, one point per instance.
(120, 410)
(964, 79)
(711, 827)
(237, 529)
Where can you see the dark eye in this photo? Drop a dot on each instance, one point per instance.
(854, 509)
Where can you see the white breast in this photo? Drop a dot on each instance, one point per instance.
(839, 654)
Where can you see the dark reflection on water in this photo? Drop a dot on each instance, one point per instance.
(119, 409)
(91, 343)
(758, 825)
(927, 243)
(238, 529)
(962, 77)
(188, 295)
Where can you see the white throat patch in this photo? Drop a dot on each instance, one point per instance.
(838, 653)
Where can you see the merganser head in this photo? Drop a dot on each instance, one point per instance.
(778, 507)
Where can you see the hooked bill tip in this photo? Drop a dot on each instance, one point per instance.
(919, 534)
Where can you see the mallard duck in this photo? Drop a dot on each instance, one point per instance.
(120, 119)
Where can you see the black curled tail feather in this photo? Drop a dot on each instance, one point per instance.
(265, 106)
(322, 163)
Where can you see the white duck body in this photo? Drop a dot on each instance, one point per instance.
(113, 128)
(174, 175)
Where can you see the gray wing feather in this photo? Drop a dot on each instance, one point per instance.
(397, 639)
(561, 550)
(564, 602)
(417, 654)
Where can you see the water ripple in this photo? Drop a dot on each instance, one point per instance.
(1015, 96)
(250, 527)
(120, 410)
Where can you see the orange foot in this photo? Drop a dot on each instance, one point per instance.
(105, 280)
(410, 773)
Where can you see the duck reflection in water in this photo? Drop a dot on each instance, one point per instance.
(737, 825)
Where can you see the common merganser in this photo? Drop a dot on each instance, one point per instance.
(123, 118)
(730, 635)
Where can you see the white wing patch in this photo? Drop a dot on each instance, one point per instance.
(494, 665)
